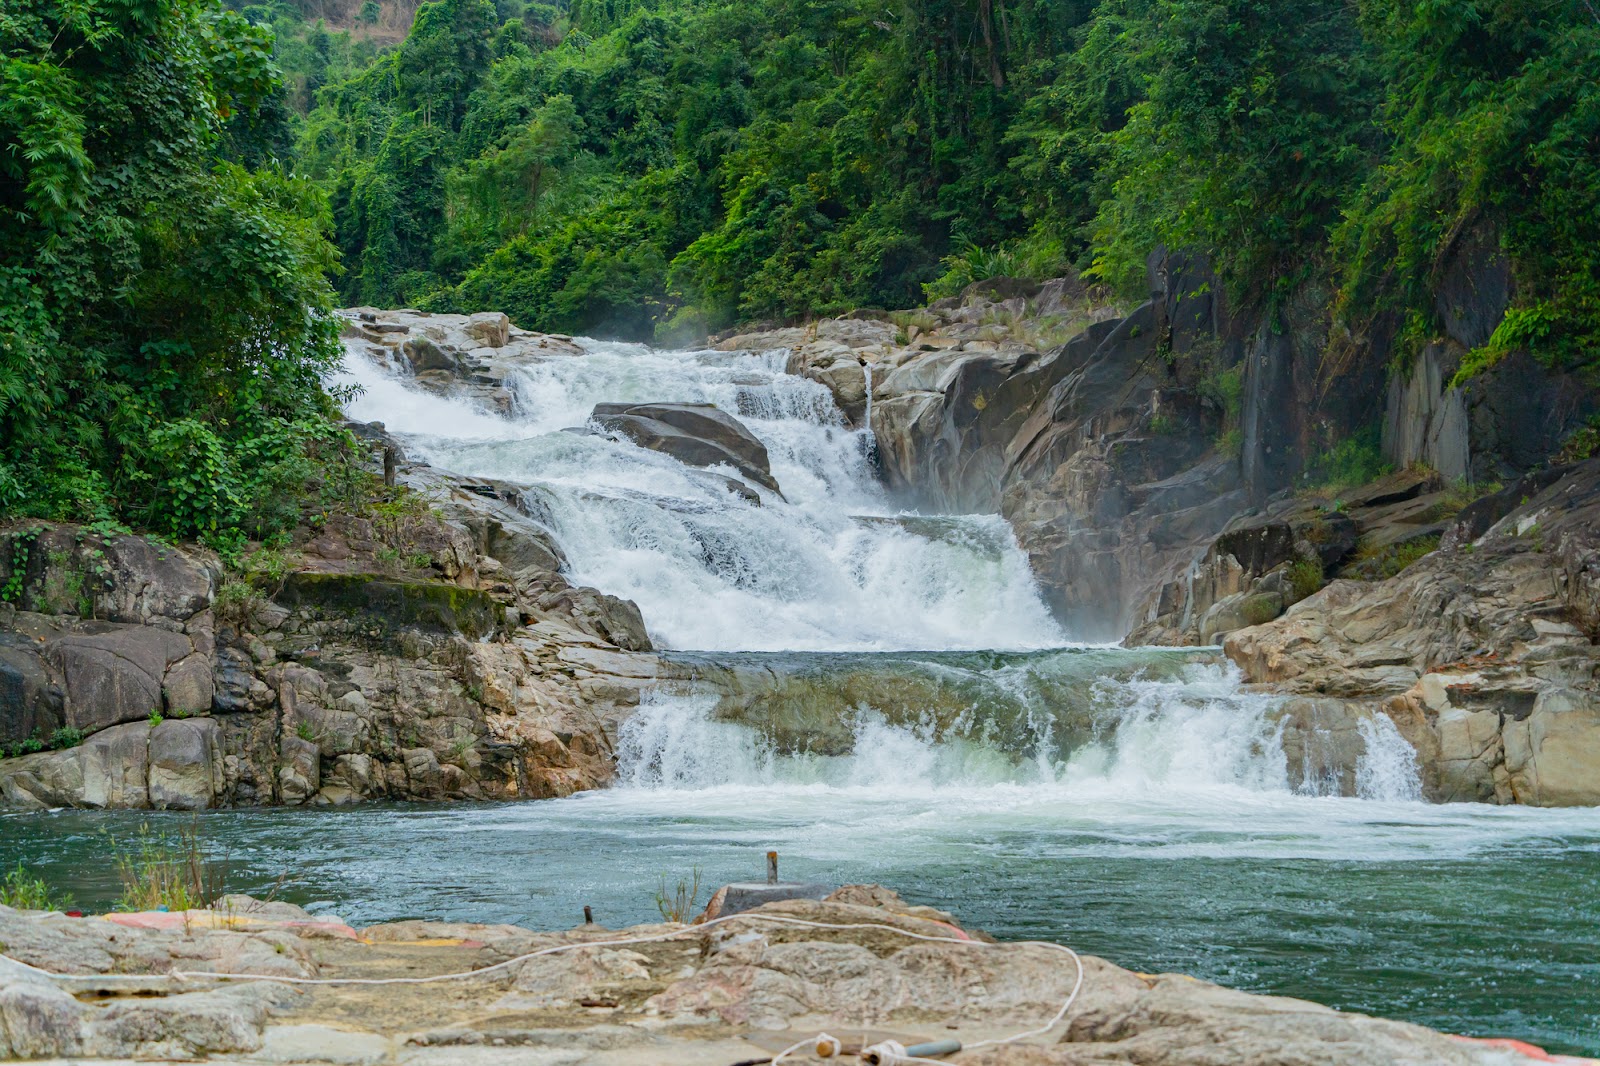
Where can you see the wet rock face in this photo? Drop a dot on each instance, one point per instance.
(694, 433)
(475, 355)
(1485, 654)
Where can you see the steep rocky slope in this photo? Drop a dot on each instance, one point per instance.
(1150, 465)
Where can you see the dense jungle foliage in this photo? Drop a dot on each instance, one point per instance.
(187, 189)
(665, 167)
(165, 313)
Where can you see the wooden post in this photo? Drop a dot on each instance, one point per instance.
(588, 915)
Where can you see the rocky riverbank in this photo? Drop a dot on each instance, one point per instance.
(860, 964)
(1151, 464)
(424, 648)
(431, 647)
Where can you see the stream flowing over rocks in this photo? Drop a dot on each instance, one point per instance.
(966, 598)
(724, 532)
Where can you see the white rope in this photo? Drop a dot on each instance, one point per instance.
(820, 1040)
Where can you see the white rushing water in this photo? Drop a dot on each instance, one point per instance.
(831, 565)
(1197, 740)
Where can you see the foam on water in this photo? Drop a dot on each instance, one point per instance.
(1196, 740)
(708, 569)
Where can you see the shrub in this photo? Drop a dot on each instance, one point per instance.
(1583, 444)
(677, 903)
(22, 890)
(1355, 460)
(158, 871)
(1305, 578)
(66, 737)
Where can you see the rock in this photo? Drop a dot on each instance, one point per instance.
(741, 896)
(1476, 652)
(185, 764)
(491, 327)
(37, 1020)
(1553, 756)
(116, 767)
(554, 981)
(32, 697)
(682, 996)
(114, 675)
(188, 686)
(299, 774)
(322, 1043)
(192, 1025)
(393, 603)
(609, 617)
(696, 434)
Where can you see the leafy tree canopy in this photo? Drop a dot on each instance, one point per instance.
(164, 310)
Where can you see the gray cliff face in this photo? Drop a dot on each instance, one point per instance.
(1147, 464)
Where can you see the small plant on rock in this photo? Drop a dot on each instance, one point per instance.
(156, 718)
(66, 737)
(677, 903)
(1305, 578)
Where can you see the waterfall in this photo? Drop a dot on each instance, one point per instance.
(829, 565)
(832, 569)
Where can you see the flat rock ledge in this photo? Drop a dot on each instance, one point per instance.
(736, 991)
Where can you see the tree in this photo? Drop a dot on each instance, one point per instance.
(164, 313)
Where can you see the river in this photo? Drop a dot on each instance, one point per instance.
(933, 729)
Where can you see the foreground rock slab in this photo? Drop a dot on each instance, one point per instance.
(738, 989)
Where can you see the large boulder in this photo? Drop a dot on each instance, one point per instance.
(698, 434)
(115, 675)
(186, 772)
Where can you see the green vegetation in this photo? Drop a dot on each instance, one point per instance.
(1305, 578)
(1372, 563)
(22, 890)
(677, 902)
(1355, 460)
(158, 870)
(1584, 444)
(661, 167)
(184, 185)
(164, 304)
(65, 737)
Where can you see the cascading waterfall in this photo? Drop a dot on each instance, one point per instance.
(832, 566)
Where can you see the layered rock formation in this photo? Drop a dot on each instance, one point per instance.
(395, 658)
(1148, 462)
(740, 990)
(1485, 654)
